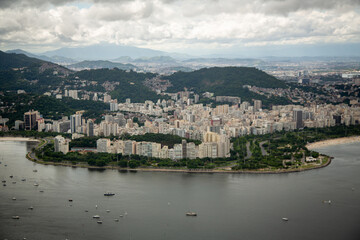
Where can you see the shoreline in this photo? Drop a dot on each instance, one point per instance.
(330, 142)
(310, 146)
(19, 139)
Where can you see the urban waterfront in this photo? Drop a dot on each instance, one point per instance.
(153, 204)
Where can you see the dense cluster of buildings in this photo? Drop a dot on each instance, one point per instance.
(183, 117)
(213, 146)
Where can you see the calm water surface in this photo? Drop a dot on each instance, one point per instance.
(229, 206)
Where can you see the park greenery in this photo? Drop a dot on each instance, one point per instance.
(164, 139)
(271, 152)
(284, 150)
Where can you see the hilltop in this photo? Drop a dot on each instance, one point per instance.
(225, 81)
(12, 60)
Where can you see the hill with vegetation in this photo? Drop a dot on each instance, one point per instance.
(12, 60)
(227, 81)
(129, 83)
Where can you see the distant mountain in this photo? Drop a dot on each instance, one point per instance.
(157, 59)
(54, 59)
(103, 52)
(101, 64)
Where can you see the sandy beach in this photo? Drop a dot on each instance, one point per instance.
(22, 139)
(335, 141)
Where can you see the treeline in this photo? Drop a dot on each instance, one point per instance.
(164, 139)
(34, 134)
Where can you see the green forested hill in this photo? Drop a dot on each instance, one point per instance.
(130, 83)
(12, 60)
(223, 80)
(226, 81)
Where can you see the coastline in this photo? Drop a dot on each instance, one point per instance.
(335, 141)
(310, 146)
(20, 139)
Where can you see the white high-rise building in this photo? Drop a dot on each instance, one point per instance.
(61, 144)
(103, 145)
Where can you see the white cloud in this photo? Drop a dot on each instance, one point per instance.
(170, 25)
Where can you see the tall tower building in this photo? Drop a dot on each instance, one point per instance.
(257, 105)
(30, 119)
(75, 121)
(298, 118)
(90, 128)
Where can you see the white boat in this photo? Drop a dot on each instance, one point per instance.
(14, 198)
(99, 222)
(31, 208)
(116, 220)
(285, 219)
(96, 216)
(36, 184)
(107, 211)
(15, 217)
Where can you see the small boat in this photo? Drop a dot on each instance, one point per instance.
(11, 176)
(192, 214)
(96, 216)
(5, 165)
(107, 211)
(23, 179)
(4, 181)
(4, 185)
(14, 198)
(116, 219)
(31, 208)
(328, 201)
(86, 210)
(36, 184)
(41, 191)
(99, 222)
(15, 217)
(70, 200)
(121, 215)
(14, 182)
(34, 170)
(285, 219)
(109, 194)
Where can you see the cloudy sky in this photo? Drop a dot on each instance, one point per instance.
(188, 26)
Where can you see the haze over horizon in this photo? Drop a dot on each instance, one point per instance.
(219, 28)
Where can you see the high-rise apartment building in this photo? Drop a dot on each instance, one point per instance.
(298, 118)
(30, 119)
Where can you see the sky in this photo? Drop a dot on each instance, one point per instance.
(247, 27)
